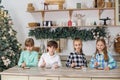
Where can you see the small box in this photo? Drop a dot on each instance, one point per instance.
(78, 5)
(55, 2)
(53, 7)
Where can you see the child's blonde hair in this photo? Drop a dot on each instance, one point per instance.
(78, 39)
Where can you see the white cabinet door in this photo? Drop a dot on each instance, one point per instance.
(9, 77)
(43, 78)
(104, 79)
(75, 78)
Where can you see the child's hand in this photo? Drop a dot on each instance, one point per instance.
(43, 64)
(55, 66)
(107, 68)
(73, 64)
(23, 65)
(83, 67)
(96, 64)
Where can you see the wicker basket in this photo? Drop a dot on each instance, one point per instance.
(117, 45)
(30, 7)
(32, 24)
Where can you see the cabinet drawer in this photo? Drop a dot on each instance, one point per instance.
(9, 77)
(75, 78)
(43, 78)
(104, 79)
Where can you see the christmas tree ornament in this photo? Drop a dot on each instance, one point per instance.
(10, 22)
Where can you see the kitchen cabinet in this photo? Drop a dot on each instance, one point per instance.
(75, 78)
(104, 79)
(43, 78)
(13, 77)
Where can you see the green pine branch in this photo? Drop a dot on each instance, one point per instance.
(66, 32)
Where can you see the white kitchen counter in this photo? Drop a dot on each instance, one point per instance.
(36, 73)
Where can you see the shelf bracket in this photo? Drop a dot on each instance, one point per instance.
(43, 14)
(70, 14)
(100, 12)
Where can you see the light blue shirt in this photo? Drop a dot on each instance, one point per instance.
(111, 63)
(30, 58)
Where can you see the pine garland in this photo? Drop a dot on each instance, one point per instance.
(66, 32)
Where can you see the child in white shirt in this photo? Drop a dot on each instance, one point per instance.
(50, 59)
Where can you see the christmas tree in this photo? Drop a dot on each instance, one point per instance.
(9, 45)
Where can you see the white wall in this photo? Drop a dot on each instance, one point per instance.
(18, 12)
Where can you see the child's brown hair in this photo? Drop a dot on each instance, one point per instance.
(104, 50)
(52, 43)
(29, 42)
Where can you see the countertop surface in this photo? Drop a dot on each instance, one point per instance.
(62, 72)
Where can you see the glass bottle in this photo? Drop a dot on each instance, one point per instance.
(69, 23)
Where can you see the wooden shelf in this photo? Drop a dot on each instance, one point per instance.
(100, 10)
(73, 26)
(71, 10)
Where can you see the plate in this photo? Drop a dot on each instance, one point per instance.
(77, 67)
(26, 67)
(48, 67)
(99, 68)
